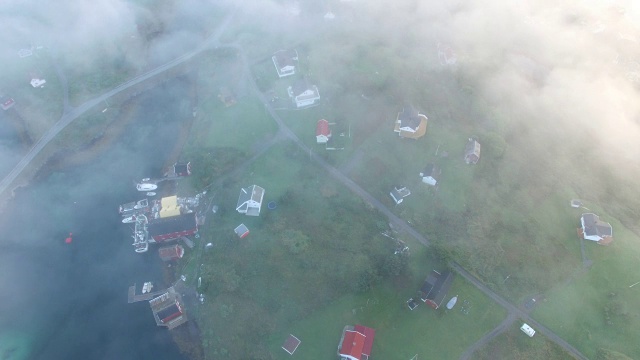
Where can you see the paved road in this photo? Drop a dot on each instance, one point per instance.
(71, 114)
(502, 327)
(513, 311)
(518, 312)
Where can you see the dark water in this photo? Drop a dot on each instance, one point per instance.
(69, 301)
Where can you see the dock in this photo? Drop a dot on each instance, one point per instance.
(133, 297)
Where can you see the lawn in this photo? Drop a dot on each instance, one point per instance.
(400, 332)
(597, 309)
(514, 344)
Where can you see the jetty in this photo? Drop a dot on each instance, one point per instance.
(133, 297)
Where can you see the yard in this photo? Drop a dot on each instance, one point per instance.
(514, 344)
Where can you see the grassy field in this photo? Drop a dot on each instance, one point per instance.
(506, 219)
(597, 310)
(400, 333)
(40, 108)
(513, 344)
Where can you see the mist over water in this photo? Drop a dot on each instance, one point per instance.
(69, 301)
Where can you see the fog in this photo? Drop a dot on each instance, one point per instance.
(567, 75)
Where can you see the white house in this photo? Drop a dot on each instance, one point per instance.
(285, 62)
(430, 174)
(472, 152)
(38, 82)
(399, 193)
(250, 200)
(303, 93)
(594, 229)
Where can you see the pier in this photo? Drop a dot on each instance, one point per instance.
(133, 297)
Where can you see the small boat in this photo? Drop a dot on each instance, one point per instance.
(452, 302)
(146, 186)
(151, 193)
(129, 219)
(146, 287)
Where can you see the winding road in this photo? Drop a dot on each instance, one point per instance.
(71, 113)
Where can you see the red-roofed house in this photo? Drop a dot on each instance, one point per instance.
(323, 133)
(356, 343)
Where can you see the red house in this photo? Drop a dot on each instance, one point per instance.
(323, 133)
(168, 309)
(356, 342)
(174, 227)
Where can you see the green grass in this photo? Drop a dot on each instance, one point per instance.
(442, 334)
(514, 344)
(577, 311)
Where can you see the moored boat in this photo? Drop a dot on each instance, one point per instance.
(146, 186)
(452, 302)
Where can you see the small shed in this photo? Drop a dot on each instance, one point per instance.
(430, 174)
(472, 152)
(412, 304)
(291, 344)
(527, 330)
(399, 193)
(242, 231)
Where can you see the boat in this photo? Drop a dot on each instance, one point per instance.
(140, 234)
(151, 193)
(143, 186)
(129, 219)
(452, 302)
(146, 287)
(134, 207)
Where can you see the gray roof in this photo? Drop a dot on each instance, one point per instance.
(285, 57)
(593, 226)
(409, 117)
(431, 170)
(301, 86)
(472, 148)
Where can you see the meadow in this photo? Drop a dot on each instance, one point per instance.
(506, 219)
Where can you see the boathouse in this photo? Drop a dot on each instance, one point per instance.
(174, 227)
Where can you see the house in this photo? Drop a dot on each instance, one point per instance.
(174, 227)
(410, 123)
(356, 343)
(594, 229)
(250, 200)
(303, 93)
(168, 309)
(446, 56)
(35, 82)
(241, 230)
(527, 330)
(435, 288)
(412, 304)
(181, 169)
(169, 253)
(399, 193)
(323, 132)
(6, 102)
(227, 97)
(472, 152)
(430, 174)
(291, 344)
(285, 62)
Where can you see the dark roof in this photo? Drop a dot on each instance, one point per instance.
(300, 86)
(179, 169)
(286, 57)
(169, 312)
(409, 117)
(172, 224)
(472, 148)
(431, 170)
(437, 290)
(594, 226)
